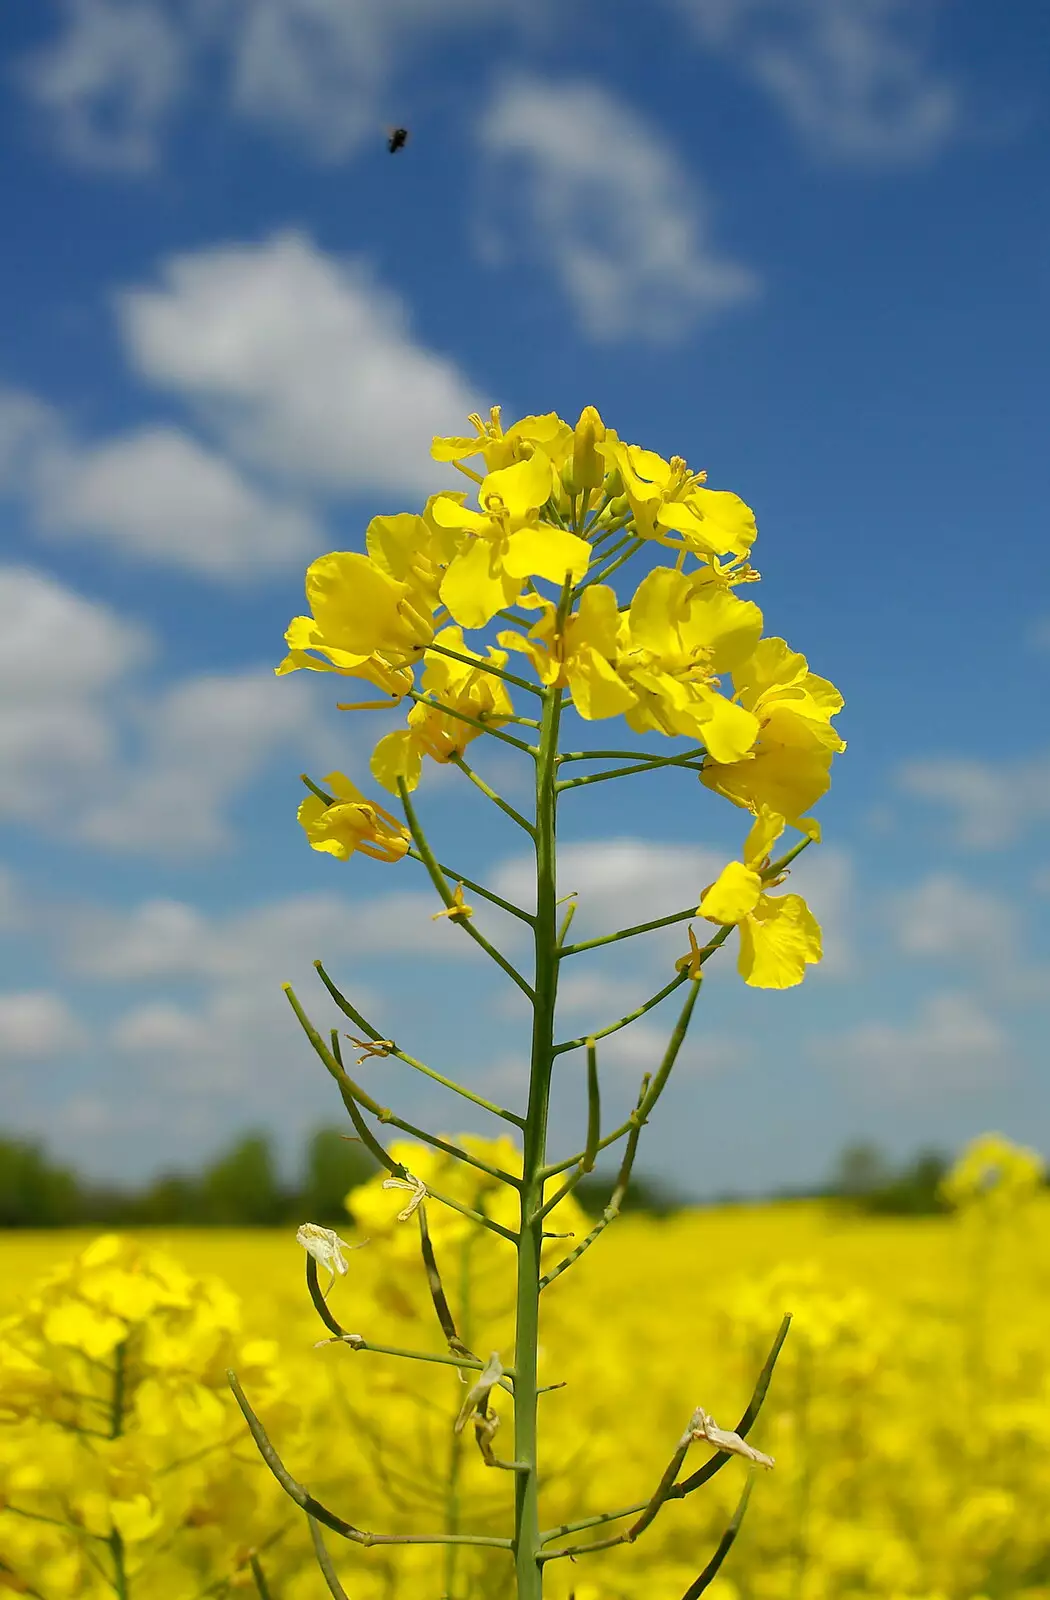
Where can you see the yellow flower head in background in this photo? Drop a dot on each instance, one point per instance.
(994, 1175)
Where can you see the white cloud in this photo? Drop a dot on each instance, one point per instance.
(953, 1044)
(994, 803)
(608, 208)
(106, 84)
(641, 1048)
(62, 659)
(159, 495)
(853, 77)
(156, 495)
(619, 882)
(320, 71)
(944, 917)
(203, 739)
(263, 944)
(304, 364)
(36, 1025)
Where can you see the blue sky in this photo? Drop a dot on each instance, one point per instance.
(803, 243)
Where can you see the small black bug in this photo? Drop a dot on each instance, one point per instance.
(397, 141)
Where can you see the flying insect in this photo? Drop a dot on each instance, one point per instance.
(397, 140)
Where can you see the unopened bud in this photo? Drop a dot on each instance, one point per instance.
(588, 468)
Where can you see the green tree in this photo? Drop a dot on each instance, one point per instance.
(333, 1166)
(241, 1188)
(33, 1193)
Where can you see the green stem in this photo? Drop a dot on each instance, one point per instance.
(473, 722)
(313, 1508)
(324, 1561)
(440, 883)
(116, 1428)
(260, 1578)
(486, 666)
(477, 888)
(370, 1032)
(614, 1027)
(527, 1546)
(628, 933)
(689, 759)
(490, 793)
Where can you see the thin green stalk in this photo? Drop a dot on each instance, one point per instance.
(709, 1469)
(594, 1134)
(612, 1210)
(486, 666)
(354, 1097)
(478, 888)
(116, 1428)
(324, 1561)
(614, 566)
(302, 1496)
(614, 1027)
(371, 1032)
(490, 793)
(463, 716)
(260, 1578)
(689, 760)
(697, 1587)
(628, 933)
(440, 883)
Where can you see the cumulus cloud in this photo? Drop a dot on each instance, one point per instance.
(944, 917)
(106, 83)
(854, 78)
(953, 1044)
(157, 495)
(201, 741)
(601, 200)
(62, 660)
(991, 804)
(317, 71)
(36, 1025)
(303, 363)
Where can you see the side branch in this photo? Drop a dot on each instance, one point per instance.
(490, 794)
(705, 1473)
(616, 1199)
(628, 933)
(390, 1048)
(463, 716)
(320, 1513)
(440, 883)
(725, 1544)
(486, 666)
(354, 1097)
(690, 759)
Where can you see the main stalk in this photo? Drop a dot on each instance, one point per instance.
(528, 1569)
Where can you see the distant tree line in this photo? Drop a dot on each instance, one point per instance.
(242, 1188)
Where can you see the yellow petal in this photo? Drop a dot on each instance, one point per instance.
(768, 827)
(520, 488)
(477, 585)
(734, 893)
(728, 730)
(597, 691)
(396, 756)
(777, 942)
(789, 781)
(549, 553)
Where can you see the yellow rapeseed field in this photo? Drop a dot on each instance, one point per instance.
(909, 1413)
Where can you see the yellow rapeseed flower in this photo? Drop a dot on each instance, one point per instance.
(779, 935)
(351, 823)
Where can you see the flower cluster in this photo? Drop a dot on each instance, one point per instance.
(123, 1467)
(685, 656)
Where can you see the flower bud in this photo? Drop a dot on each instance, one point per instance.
(587, 465)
